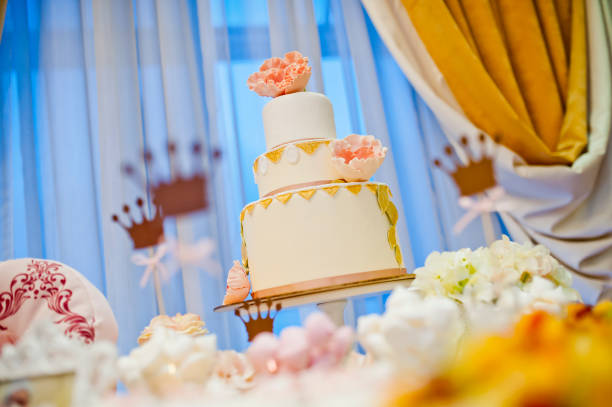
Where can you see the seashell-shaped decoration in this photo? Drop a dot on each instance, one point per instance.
(238, 284)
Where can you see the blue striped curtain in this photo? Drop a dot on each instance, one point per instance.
(87, 84)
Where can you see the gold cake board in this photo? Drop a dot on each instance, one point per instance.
(331, 299)
(327, 282)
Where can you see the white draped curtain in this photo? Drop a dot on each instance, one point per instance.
(566, 208)
(87, 85)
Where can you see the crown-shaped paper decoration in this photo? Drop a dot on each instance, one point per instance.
(148, 232)
(182, 194)
(257, 324)
(475, 177)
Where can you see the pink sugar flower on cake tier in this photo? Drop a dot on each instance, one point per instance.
(319, 344)
(357, 157)
(281, 76)
(238, 285)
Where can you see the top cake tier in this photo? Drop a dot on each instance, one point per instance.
(298, 116)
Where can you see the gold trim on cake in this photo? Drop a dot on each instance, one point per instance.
(244, 255)
(298, 186)
(355, 189)
(275, 155)
(398, 255)
(307, 194)
(382, 192)
(284, 198)
(256, 166)
(309, 147)
(382, 195)
(266, 202)
(391, 213)
(391, 237)
(331, 190)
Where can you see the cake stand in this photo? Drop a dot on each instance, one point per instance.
(331, 300)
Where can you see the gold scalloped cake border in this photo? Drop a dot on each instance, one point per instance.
(309, 147)
(383, 197)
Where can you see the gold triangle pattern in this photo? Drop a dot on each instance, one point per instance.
(250, 208)
(309, 147)
(307, 194)
(284, 197)
(331, 190)
(372, 187)
(354, 188)
(275, 155)
(256, 165)
(266, 202)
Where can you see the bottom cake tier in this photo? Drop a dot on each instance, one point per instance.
(320, 236)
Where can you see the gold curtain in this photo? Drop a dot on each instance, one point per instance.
(518, 69)
(3, 4)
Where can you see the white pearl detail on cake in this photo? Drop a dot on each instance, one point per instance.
(291, 154)
(262, 165)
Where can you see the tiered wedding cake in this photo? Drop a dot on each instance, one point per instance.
(312, 226)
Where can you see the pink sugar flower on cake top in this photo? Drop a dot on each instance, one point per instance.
(357, 157)
(281, 76)
(319, 344)
(238, 284)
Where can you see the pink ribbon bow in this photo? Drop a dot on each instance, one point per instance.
(153, 263)
(489, 201)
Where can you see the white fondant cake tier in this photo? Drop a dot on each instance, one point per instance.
(320, 234)
(293, 165)
(298, 116)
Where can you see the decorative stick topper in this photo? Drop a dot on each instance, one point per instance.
(475, 177)
(147, 233)
(181, 194)
(259, 323)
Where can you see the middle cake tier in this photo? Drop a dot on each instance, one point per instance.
(320, 236)
(294, 165)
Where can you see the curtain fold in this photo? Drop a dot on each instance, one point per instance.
(563, 207)
(509, 73)
(3, 4)
(87, 85)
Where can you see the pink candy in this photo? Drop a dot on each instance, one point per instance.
(319, 344)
